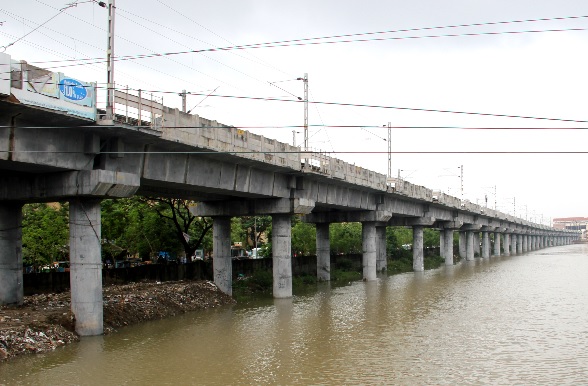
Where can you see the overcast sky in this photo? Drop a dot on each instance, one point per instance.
(486, 70)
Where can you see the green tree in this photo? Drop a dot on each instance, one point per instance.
(345, 238)
(257, 228)
(303, 237)
(430, 238)
(190, 231)
(45, 233)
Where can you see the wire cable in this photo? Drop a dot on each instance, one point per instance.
(313, 43)
(39, 26)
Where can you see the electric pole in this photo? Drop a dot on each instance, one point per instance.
(305, 80)
(183, 95)
(461, 181)
(389, 150)
(110, 62)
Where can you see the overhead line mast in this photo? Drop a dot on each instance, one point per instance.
(110, 62)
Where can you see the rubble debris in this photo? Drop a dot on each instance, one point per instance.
(45, 322)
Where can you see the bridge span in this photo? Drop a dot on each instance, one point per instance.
(53, 153)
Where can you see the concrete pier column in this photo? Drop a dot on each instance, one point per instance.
(506, 244)
(282, 255)
(448, 246)
(485, 245)
(222, 264)
(323, 252)
(442, 243)
(513, 244)
(462, 245)
(470, 245)
(418, 260)
(519, 244)
(496, 243)
(477, 244)
(85, 257)
(381, 260)
(368, 233)
(525, 243)
(11, 280)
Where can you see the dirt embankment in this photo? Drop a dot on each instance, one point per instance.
(45, 322)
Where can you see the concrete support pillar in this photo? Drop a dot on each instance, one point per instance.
(381, 260)
(85, 257)
(519, 244)
(477, 244)
(282, 255)
(506, 244)
(441, 243)
(462, 245)
(222, 264)
(470, 245)
(496, 243)
(513, 244)
(368, 232)
(418, 260)
(448, 246)
(485, 245)
(525, 246)
(323, 252)
(11, 280)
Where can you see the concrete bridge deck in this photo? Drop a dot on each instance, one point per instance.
(48, 155)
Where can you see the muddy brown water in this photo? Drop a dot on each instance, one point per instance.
(499, 321)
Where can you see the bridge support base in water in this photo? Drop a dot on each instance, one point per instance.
(86, 266)
(222, 263)
(282, 255)
(323, 252)
(418, 262)
(368, 232)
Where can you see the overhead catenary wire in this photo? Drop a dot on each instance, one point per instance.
(345, 104)
(245, 127)
(276, 45)
(237, 152)
(4, 47)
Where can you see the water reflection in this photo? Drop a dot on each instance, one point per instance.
(507, 320)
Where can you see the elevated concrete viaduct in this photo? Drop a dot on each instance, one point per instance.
(47, 155)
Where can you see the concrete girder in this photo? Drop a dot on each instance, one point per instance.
(449, 225)
(412, 221)
(59, 186)
(266, 206)
(471, 227)
(378, 216)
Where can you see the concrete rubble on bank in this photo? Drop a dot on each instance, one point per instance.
(44, 322)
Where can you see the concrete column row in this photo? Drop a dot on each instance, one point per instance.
(86, 261)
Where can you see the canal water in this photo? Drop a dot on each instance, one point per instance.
(516, 320)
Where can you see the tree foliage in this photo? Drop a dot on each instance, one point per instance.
(45, 233)
(303, 237)
(345, 238)
(190, 231)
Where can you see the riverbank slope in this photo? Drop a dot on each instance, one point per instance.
(45, 322)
